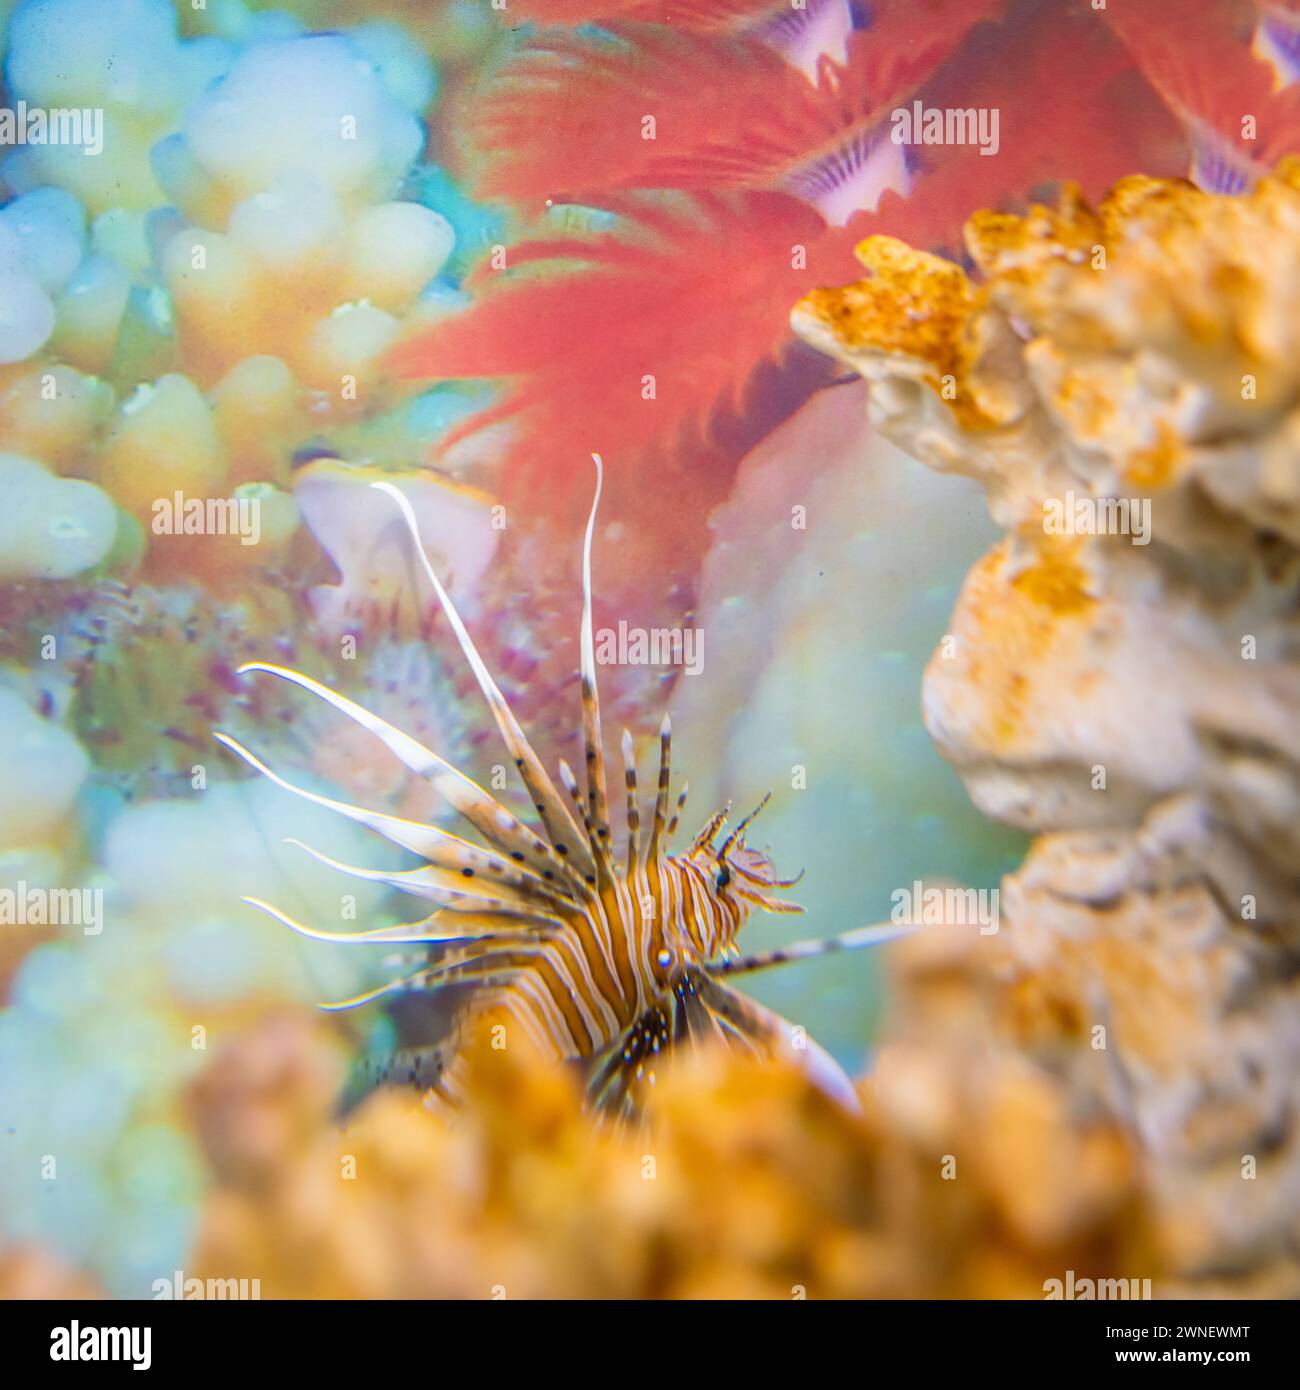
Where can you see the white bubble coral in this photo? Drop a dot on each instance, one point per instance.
(289, 105)
(50, 528)
(52, 413)
(394, 250)
(284, 170)
(163, 439)
(42, 241)
(26, 316)
(26, 311)
(69, 52)
(295, 218)
(226, 842)
(126, 65)
(49, 227)
(41, 770)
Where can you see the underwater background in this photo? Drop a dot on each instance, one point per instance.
(438, 243)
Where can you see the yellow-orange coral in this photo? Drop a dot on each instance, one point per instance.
(747, 1182)
(914, 306)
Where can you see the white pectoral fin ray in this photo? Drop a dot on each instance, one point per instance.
(567, 837)
(447, 927)
(489, 939)
(494, 966)
(499, 826)
(448, 887)
(423, 933)
(597, 791)
(440, 849)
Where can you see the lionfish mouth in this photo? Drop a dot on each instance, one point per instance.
(613, 963)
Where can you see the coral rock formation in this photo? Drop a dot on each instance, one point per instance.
(1123, 668)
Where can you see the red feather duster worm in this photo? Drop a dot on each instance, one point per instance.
(1233, 119)
(632, 343)
(742, 151)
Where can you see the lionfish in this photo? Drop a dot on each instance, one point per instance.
(605, 960)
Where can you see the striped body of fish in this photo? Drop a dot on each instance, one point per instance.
(605, 960)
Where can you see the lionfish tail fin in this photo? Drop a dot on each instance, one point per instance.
(428, 1068)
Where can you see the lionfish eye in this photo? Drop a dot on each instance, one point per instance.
(723, 878)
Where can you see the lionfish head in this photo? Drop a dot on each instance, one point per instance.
(745, 877)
